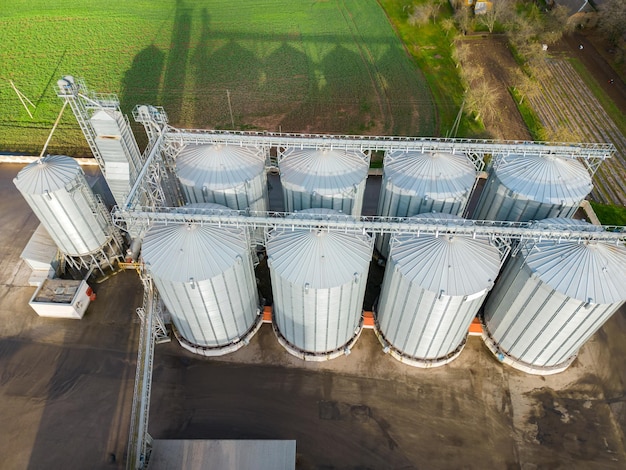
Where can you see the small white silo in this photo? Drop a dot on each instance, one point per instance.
(420, 182)
(522, 188)
(432, 289)
(58, 193)
(318, 285)
(231, 175)
(551, 298)
(204, 275)
(322, 178)
(119, 151)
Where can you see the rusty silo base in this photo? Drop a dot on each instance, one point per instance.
(414, 361)
(220, 350)
(321, 356)
(507, 359)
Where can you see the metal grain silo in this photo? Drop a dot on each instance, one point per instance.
(318, 284)
(224, 174)
(330, 179)
(419, 182)
(432, 290)
(58, 193)
(521, 188)
(551, 298)
(205, 277)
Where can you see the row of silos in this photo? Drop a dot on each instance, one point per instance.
(550, 298)
(519, 187)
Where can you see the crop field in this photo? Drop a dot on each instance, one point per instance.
(332, 66)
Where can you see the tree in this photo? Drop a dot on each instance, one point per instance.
(421, 14)
(482, 99)
(612, 20)
(447, 24)
(526, 86)
(463, 17)
(499, 10)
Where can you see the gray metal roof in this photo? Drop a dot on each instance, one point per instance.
(326, 172)
(200, 454)
(546, 179)
(590, 271)
(456, 265)
(218, 166)
(49, 173)
(434, 174)
(319, 258)
(179, 253)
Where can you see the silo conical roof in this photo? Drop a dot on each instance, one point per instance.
(456, 265)
(547, 179)
(218, 166)
(180, 252)
(319, 258)
(326, 172)
(49, 173)
(591, 271)
(435, 174)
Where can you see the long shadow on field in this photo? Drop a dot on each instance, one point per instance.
(350, 92)
(176, 67)
(289, 81)
(406, 95)
(140, 85)
(201, 63)
(231, 73)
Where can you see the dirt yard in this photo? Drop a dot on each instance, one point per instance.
(493, 55)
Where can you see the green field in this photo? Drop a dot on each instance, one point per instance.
(333, 66)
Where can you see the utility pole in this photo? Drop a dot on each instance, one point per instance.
(230, 108)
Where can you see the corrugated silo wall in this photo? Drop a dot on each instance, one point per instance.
(536, 325)
(392, 203)
(317, 320)
(213, 312)
(497, 202)
(350, 203)
(249, 195)
(70, 217)
(419, 323)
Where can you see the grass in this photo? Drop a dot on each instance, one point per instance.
(609, 214)
(431, 48)
(532, 121)
(322, 66)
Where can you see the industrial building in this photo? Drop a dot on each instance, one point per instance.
(198, 261)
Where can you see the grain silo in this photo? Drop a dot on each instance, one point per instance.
(432, 290)
(521, 188)
(551, 298)
(323, 178)
(58, 193)
(318, 285)
(231, 175)
(204, 275)
(420, 182)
